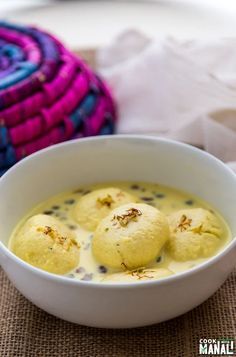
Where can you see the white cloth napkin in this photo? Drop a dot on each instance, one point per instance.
(185, 90)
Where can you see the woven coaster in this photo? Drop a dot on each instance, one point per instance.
(27, 331)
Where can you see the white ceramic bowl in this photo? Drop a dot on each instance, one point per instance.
(135, 158)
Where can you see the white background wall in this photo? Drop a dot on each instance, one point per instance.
(92, 23)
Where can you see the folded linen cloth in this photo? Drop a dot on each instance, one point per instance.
(185, 90)
(47, 94)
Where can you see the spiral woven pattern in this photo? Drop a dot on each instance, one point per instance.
(47, 95)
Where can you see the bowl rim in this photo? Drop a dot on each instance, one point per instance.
(125, 285)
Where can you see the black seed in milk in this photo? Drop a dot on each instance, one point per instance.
(72, 227)
(147, 199)
(189, 202)
(102, 269)
(48, 212)
(55, 207)
(160, 195)
(135, 187)
(71, 201)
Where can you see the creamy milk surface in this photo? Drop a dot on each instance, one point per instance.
(166, 199)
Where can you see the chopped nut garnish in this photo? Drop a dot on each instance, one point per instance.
(131, 215)
(141, 273)
(197, 230)
(184, 223)
(124, 266)
(58, 238)
(106, 201)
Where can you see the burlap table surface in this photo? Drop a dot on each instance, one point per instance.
(27, 331)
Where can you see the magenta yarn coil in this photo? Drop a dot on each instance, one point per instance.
(47, 94)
